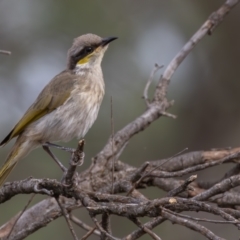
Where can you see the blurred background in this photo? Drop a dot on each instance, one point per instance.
(205, 87)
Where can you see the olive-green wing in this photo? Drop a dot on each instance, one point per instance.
(52, 96)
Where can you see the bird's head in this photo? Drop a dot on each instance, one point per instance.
(87, 51)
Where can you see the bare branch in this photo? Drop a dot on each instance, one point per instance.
(162, 174)
(213, 21)
(192, 225)
(200, 219)
(105, 225)
(149, 81)
(150, 225)
(20, 215)
(83, 225)
(66, 216)
(151, 233)
(95, 190)
(223, 186)
(5, 52)
(101, 229)
(75, 161)
(182, 187)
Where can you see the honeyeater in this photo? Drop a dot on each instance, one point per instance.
(68, 105)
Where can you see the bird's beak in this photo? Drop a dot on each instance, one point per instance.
(106, 41)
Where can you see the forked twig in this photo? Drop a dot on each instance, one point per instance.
(147, 230)
(191, 225)
(200, 219)
(148, 173)
(101, 229)
(76, 160)
(149, 81)
(66, 216)
(182, 187)
(91, 230)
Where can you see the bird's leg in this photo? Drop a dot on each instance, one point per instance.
(67, 149)
(46, 148)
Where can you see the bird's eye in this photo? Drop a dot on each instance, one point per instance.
(89, 50)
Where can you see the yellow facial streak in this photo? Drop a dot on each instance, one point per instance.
(85, 59)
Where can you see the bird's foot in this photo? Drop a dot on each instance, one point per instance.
(67, 149)
(46, 148)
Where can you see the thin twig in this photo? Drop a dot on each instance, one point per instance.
(182, 187)
(191, 225)
(151, 233)
(148, 173)
(137, 176)
(232, 172)
(149, 225)
(5, 52)
(149, 81)
(105, 225)
(83, 225)
(101, 229)
(76, 160)
(20, 215)
(168, 159)
(170, 115)
(112, 137)
(164, 174)
(66, 216)
(220, 187)
(200, 219)
(89, 233)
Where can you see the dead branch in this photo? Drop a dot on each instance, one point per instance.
(94, 189)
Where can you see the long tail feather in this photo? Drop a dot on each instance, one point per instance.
(5, 171)
(20, 149)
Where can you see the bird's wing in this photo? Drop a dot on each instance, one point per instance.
(52, 96)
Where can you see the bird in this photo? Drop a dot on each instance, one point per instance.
(67, 106)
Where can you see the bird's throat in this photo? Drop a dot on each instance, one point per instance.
(82, 69)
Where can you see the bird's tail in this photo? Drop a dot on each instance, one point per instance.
(5, 170)
(20, 149)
